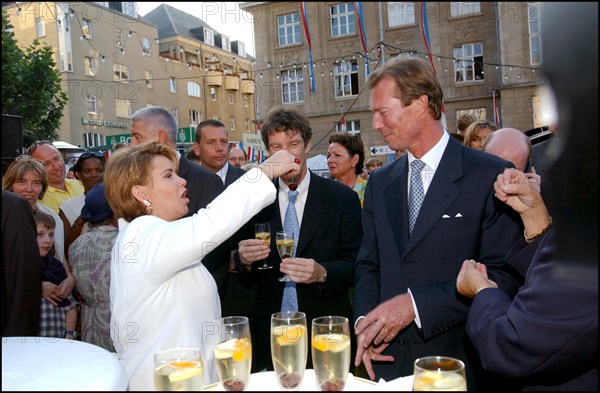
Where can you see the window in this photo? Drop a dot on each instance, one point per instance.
(352, 127)
(213, 93)
(86, 28)
(292, 86)
(215, 117)
(209, 36)
(232, 122)
(93, 139)
(66, 61)
(172, 85)
(401, 13)
(123, 107)
(247, 125)
(479, 113)
(149, 83)
(460, 8)
(194, 89)
(40, 27)
(246, 100)
(175, 113)
(241, 49)
(89, 66)
(195, 117)
(146, 45)
(535, 33)
(91, 103)
(342, 19)
(468, 65)
(119, 38)
(121, 72)
(407, 55)
(230, 98)
(226, 43)
(288, 27)
(346, 78)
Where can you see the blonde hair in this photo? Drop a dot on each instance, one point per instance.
(129, 167)
(19, 167)
(476, 126)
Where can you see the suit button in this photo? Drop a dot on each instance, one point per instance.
(401, 341)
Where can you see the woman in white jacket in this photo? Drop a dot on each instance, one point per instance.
(161, 294)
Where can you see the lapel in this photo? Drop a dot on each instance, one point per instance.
(441, 194)
(395, 198)
(315, 209)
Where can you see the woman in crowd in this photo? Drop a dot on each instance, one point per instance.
(161, 295)
(477, 132)
(345, 159)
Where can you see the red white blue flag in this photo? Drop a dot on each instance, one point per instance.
(309, 43)
(363, 35)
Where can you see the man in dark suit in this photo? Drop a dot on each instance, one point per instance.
(212, 147)
(330, 231)
(21, 268)
(157, 124)
(405, 300)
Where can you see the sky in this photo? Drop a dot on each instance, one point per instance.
(225, 17)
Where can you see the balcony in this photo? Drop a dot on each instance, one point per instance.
(247, 86)
(232, 82)
(214, 78)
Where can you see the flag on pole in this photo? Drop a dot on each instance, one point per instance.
(343, 122)
(308, 42)
(497, 119)
(425, 33)
(363, 35)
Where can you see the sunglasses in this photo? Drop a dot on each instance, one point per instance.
(88, 154)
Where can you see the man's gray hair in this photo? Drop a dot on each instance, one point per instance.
(160, 118)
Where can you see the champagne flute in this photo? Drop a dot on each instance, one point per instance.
(289, 348)
(233, 353)
(285, 247)
(179, 368)
(262, 231)
(330, 349)
(433, 373)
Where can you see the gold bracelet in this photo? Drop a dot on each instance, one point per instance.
(530, 239)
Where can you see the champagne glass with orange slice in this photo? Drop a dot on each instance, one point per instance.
(179, 369)
(289, 348)
(233, 353)
(330, 349)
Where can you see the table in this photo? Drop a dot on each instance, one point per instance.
(265, 381)
(44, 363)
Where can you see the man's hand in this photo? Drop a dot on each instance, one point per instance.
(302, 270)
(252, 250)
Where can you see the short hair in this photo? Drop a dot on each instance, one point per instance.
(17, 169)
(476, 126)
(43, 219)
(464, 121)
(191, 155)
(160, 118)
(280, 119)
(243, 152)
(207, 123)
(354, 145)
(373, 161)
(128, 167)
(414, 78)
(118, 146)
(35, 145)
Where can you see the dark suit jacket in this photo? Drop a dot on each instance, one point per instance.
(547, 337)
(233, 173)
(459, 219)
(21, 268)
(330, 233)
(203, 186)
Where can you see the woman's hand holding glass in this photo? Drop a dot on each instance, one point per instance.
(233, 353)
(289, 348)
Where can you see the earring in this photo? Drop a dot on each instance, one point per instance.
(146, 202)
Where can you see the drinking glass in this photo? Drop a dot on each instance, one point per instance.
(331, 352)
(233, 353)
(180, 368)
(433, 373)
(262, 231)
(289, 348)
(285, 247)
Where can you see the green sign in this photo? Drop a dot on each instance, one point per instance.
(186, 135)
(120, 138)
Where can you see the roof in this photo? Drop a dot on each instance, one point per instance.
(171, 22)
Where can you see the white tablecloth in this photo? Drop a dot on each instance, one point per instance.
(42, 363)
(266, 381)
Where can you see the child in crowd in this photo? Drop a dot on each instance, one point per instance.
(55, 321)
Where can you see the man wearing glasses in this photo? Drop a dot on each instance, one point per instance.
(59, 187)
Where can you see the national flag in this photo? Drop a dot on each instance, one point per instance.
(309, 43)
(425, 32)
(363, 35)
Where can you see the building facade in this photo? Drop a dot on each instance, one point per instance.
(487, 57)
(113, 62)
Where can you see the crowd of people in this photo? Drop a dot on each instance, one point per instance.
(450, 249)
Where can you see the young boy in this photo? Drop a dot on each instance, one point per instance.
(55, 321)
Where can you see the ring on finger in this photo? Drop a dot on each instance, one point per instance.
(385, 330)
